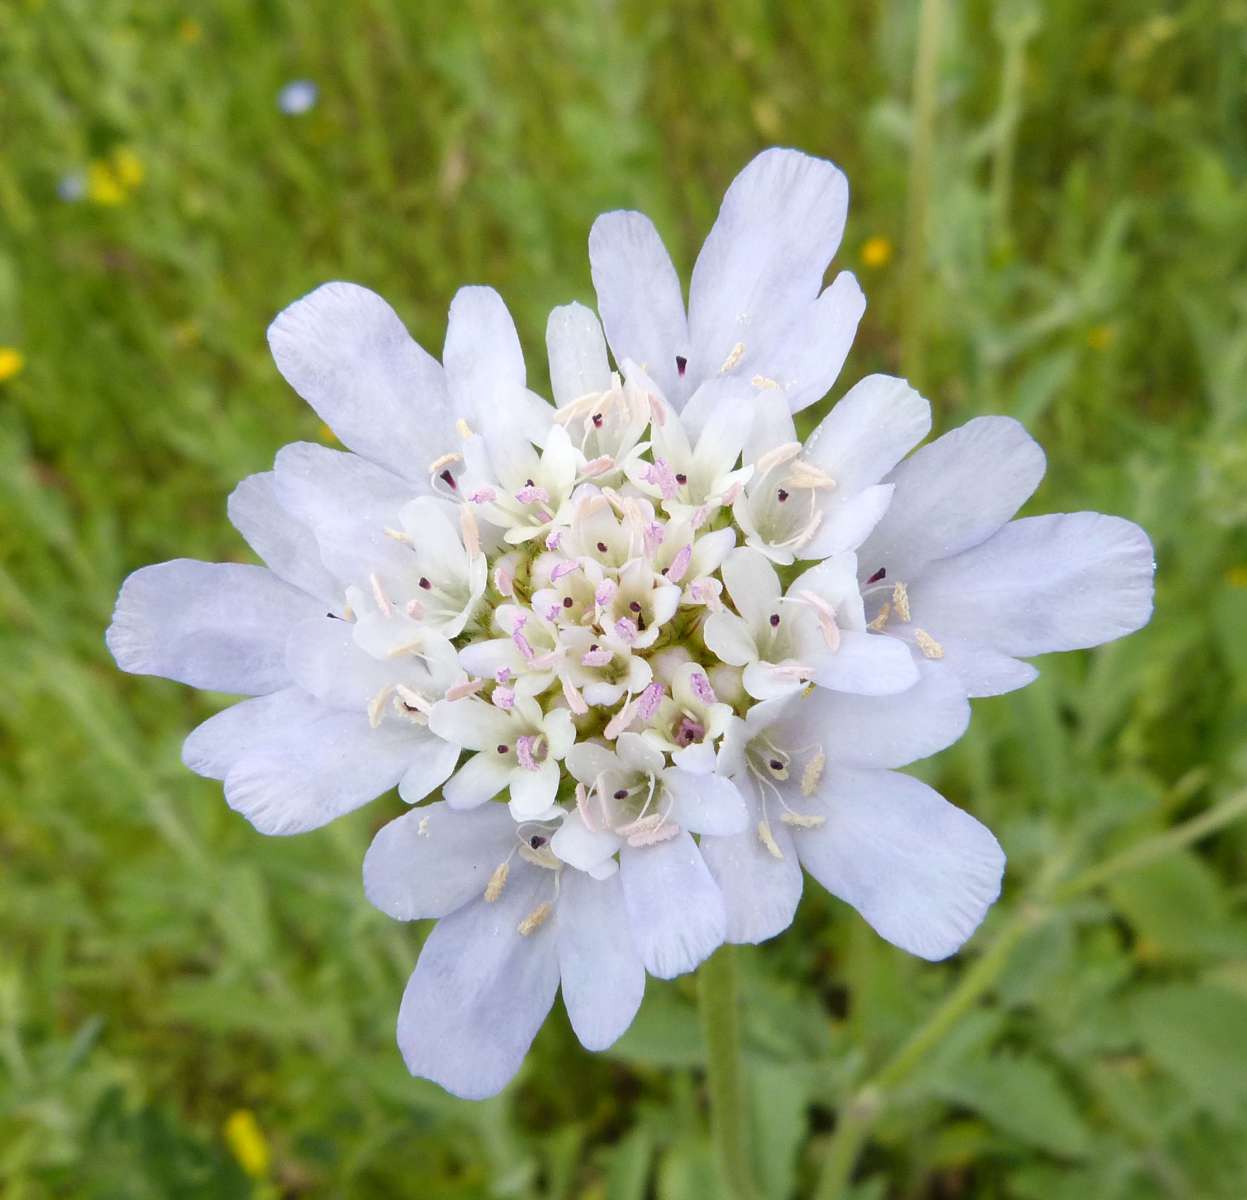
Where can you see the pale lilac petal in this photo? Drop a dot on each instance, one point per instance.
(287, 545)
(433, 769)
(870, 664)
(705, 804)
(639, 299)
(878, 422)
(674, 907)
(602, 976)
(981, 671)
(762, 264)
(953, 494)
(577, 352)
(481, 990)
(322, 769)
(433, 860)
(760, 891)
(242, 729)
(581, 847)
(345, 351)
(1059, 582)
(880, 731)
(847, 521)
(921, 871)
(219, 626)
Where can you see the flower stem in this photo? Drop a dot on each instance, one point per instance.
(922, 139)
(718, 998)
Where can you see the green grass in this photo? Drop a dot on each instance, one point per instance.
(1085, 270)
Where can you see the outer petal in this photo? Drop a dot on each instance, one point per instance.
(433, 860)
(1060, 582)
(577, 350)
(433, 769)
(764, 259)
(603, 979)
(922, 872)
(760, 891)
(880, 731)
(953, 494)
(866, 434)
(245, 728)
(287, 545)
(481, 990)
(981, 671)
(325, 768)
(675, 908)
(220, 626)
(639, 298)
(345, 351)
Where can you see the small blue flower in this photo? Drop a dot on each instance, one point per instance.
(297, 97)
(71, 186)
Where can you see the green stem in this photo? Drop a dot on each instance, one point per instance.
(926, 78)
(859, 1114)
(718, 998)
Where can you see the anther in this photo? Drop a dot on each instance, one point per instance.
(503, 748)
(781, 495)
(449, 480)
(900, 601)
(767, 838)
(497, 881)
(927, 644)
(621, 794)
(601, 547)
(681, 365)
(774, 620)
(681, 478)
(802, 820)
(881, 573)
(424, 583)
(597, 420)
(813, 773)
(736, 354)
(535, 919)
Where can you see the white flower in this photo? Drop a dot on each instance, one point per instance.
(578, 609)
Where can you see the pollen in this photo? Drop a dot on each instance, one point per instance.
(763, 382)
(882, 619)
(927, 644)
(813, 773)
(767, 838)
(900, 601)
(734, 356)
(422, 830)
(497, 881)
(377, 704)
(463, 429)
(535, 919)
(803, 820)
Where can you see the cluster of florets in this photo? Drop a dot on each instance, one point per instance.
(656, 653)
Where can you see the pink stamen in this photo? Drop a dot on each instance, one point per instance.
(650, 699)
(553, 539)
(504, 698)
(661, 476)
(502, 674)
(596, 657)
(598, 466)
(485, 495)
(532, 494)
(566, 567)
(679, 564)
(522, 645)
(702, 689)
(605, 592)
(654, 534)
(575, 701)
(530, 750)
(626, 630)
(469, 687)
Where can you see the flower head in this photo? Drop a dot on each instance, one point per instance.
(585, 623)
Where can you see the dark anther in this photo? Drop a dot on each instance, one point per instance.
(567, 602)
(601, 547)
(782, 495)
(594, 646)
(503, 747)
(681, 364)
(634, 606)
(881, 573)
(774, 620)
(424, 583)
(681, 479)
(536, 841)
(449, 480)
(776, 765)
(597, 420)
(621, 794)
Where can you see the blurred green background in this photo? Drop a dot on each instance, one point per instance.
(188, 1009)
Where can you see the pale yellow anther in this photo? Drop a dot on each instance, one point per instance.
(802, 820)
(444, 461)
(804, 474)
(734, 356)
(900, 601)
(776, 457)
(413, 699)
(535, 919)
(762, 382)
(377, 703)
(378, 594)
(463, 429)
(412, 647)
(882, 619)
(767, 838)
(813, 773)
(497, 881)
(398, 535)
(422, 830)
(927, 644)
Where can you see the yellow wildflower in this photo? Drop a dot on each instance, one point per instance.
(247, 1142)
(128, 168)
(1236, 576)
(877, 251)
(190, 31)
(1100, 337)
(12, 362)
(103, 186)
